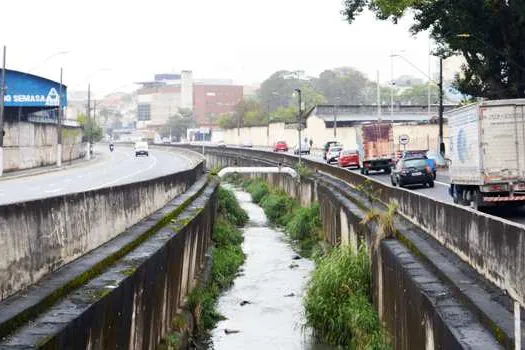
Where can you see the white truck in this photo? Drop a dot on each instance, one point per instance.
(487, 153)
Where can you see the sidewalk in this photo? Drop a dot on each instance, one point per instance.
(96, 158)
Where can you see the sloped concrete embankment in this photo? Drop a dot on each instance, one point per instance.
(132, 300)
(40, 236)
(427, 296)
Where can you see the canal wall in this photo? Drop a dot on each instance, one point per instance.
(425, 294)
(132, 298)
(40, 236)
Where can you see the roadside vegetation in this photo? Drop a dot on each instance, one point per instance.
(338, 302)
(302, 225)
(227, 257)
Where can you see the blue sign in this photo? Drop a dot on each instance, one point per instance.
(27, 90)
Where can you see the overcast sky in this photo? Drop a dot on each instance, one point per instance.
(113, 43)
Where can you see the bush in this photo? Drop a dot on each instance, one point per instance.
(258, 190)
(230, 209)
(226, 234)
(338, 303)
(305, 223)
(278, 208)
(226, 261)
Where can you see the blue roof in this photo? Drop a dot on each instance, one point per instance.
(28, 90)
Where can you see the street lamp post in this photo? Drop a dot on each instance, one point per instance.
(2, 94)
(88, 116)
(58, 53)
(441, 142)
(336, 106)
(59, 123)
(299, 114)
(440, 86)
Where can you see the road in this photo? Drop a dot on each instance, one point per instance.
(115, 168)
(440, 192)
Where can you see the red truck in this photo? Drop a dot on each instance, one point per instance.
(377, 147)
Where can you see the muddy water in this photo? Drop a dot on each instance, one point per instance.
(273, 316)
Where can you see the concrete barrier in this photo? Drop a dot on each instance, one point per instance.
(38, 237)
(493, 246)
(136, 300)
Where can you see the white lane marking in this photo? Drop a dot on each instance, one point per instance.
(80, 176)
(441, 183)
(107, 184)
(53, 191)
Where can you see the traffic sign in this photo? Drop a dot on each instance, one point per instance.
(404, 139)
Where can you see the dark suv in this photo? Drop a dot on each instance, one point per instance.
(412, 171)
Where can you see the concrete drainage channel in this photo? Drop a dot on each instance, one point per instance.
(123, 294)
(425, 294)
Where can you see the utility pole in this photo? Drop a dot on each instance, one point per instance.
(88, 115)
(335, 117)
(378, 99)
(392, 85)
(441, 143)
(299, 123)
(2, 94)
(59, 123)
(268, 126)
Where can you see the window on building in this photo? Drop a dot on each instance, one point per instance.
(144, 111)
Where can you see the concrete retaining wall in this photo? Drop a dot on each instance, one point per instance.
(493, 246)
(134, 302)
(40, 236)
(30, 145)
(419, 309)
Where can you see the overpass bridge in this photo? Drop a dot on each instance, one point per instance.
(451, 279)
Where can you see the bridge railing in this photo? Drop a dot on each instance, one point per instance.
(493, 246)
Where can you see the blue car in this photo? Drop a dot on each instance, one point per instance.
(420, 153)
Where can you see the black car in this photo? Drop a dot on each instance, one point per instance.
(412, 171)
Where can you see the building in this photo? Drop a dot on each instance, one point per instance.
(161, 98)
(32, 98)
(212, 99)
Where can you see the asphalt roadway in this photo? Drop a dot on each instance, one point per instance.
(440, 192)
(109, 169)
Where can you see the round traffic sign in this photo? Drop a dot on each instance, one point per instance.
(404, 139)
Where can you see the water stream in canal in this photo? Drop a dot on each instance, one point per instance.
(273, 316)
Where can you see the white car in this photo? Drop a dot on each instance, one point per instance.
(333, 154)
(305, 149)
(141, 149)
(247, 143)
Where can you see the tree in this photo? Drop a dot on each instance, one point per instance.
(178, 124)
(418, 95)
(226, 121)
(249, 113)
(92, 131)
(284, 114)
(345, 85)
(489, 35)
(277, 90)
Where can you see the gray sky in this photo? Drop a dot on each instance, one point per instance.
(245, 40)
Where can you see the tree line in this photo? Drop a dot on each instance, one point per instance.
(275, 101)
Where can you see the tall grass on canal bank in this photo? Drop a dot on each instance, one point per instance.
(338, 302)
(302, 225)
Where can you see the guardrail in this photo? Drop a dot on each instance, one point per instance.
(493, 246)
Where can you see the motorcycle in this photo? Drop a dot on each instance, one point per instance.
(111, 147)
